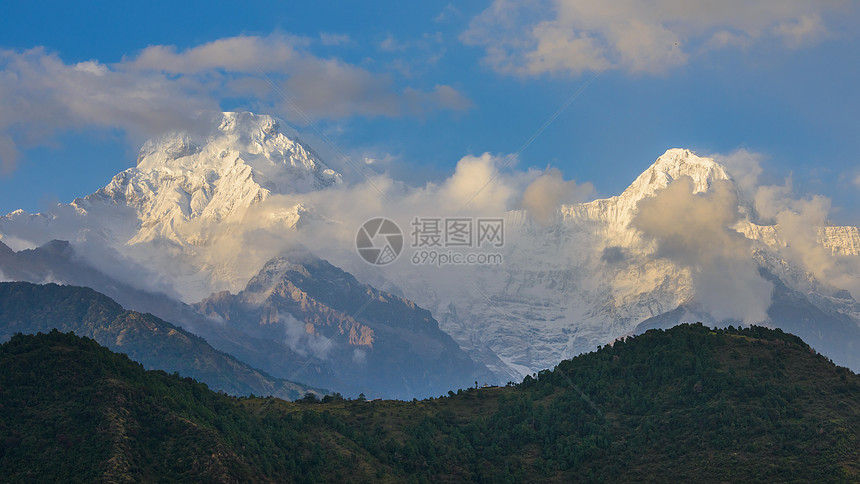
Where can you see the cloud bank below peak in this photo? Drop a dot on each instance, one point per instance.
(696, 231)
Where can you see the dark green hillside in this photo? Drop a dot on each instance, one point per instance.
(686, 404)
(31, 308)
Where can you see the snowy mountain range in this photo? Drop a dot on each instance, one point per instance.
(603, 268)
(686, 241)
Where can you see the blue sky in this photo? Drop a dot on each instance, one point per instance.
(419, 85)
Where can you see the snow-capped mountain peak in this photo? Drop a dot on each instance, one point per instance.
(278, 162)
(257, 139)
(615, 213)
(674, 164)
(170, 212)
(241, 162)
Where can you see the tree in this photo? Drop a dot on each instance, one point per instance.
(309, 398)
(334, 397)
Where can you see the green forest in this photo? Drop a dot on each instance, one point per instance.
(686, 404)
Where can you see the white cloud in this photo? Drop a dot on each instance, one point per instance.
(242, 245)
(857, 181)
(724, 38)
(163, 88)
(533, 37)
(319, 87)
(544, 195)
(441, 96)
(473, 183)
(42, 96)
(390, 44)
(560, 49)
(696, 231)
(770, 200)
(802, 30)
(798, 221)
(303, 339)
(8, 154)
(332, 88)
(235, 54)
(744, 167)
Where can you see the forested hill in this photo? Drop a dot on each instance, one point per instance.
(685, 404)
(31, 308)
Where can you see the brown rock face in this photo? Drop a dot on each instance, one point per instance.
(371, 341)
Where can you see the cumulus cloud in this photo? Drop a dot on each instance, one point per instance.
(235, 54)
(798, 223)
(164, 88)
(695, 230)
(745, 168)
(770, 200)
(473, 183)
(332, 88)
(320, 88)
(90, 240)
(43, 96)
(544, 195)
(533, 37)
(328, 221)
